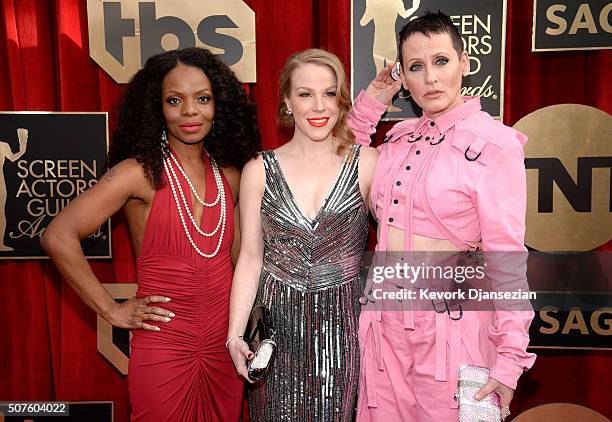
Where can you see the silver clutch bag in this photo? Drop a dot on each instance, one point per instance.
(259, 336)
(471, 379)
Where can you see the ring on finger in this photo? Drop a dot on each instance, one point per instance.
(505, 412)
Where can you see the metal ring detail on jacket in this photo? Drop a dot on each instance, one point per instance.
(472, 158)
(435, 307)
(457, 318)
(447, 310)
(439, 141)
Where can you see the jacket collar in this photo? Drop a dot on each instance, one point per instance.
(448, 120)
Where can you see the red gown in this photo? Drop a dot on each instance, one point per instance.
(184, 372)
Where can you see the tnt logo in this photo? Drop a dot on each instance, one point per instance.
(569, 177)
(124, 34)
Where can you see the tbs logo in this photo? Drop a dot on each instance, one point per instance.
(124, 34)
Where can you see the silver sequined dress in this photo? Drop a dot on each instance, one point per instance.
(310, 282)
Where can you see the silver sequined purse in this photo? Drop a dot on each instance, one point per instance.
(259, 336)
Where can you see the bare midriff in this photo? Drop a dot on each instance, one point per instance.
(395, 242)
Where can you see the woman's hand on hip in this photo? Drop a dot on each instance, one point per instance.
(134, 312)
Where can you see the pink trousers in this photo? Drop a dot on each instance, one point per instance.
(397, 381)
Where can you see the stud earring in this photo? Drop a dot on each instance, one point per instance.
(288, 112)
(164, 138)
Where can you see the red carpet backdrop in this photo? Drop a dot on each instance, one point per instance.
(48, 336)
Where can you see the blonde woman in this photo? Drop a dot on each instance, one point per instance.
(304, 220)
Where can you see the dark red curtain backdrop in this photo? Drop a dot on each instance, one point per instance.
(47, 336)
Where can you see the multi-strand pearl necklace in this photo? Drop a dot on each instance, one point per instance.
(175, 186)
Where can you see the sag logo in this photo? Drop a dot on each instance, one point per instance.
(571, 25)
(558, 17)
(124, 34)
(569, 177)
(599, 322)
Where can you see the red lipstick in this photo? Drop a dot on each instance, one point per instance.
(318, 121)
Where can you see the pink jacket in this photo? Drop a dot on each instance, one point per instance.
(459, 177)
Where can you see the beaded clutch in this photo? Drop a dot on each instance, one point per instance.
(259, 336)
(471, 379)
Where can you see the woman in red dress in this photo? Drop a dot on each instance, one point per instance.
(185, 128)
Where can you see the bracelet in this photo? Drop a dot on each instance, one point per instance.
(227, 343)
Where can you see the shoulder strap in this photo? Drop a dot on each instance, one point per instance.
(353, 164)
(272, 172)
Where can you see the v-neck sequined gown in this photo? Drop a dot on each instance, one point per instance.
(184, 372)
(310, 282)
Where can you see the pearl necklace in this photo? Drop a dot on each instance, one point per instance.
(175, 185)
(193, 189)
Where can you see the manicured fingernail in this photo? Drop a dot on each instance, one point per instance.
(166, 319)
(477, 396)
(157, 329)
(167, 299)
(171, 314)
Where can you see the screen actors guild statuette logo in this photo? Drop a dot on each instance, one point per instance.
(7, 154)
(383, 14)
(42, 169)
(375, 26)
